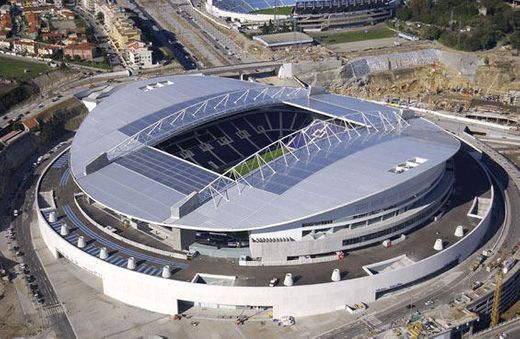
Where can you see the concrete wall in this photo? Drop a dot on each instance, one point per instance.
(161, 295)
(276, 253)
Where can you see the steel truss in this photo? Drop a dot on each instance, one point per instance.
(334, 130)
(201, 111)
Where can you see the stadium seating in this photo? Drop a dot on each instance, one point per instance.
(222, 145)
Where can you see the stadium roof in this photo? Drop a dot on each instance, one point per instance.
(248, 6)
(113, 162)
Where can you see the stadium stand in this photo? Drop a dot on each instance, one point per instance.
(220, 146)
(248, 6)
(337, 6)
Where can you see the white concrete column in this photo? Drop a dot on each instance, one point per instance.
(81, 241)
(438, 245)
(53, 217)
(64, 230)
(131, 263)
(103, 254)
(459, 231)
(288, 281)
(166, 273)
(336, 276)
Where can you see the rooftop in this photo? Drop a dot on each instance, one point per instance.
(284, 39)
(417, 246)
(114, 161)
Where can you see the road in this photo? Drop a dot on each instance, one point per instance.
(167, 39)
(21, 195)
(510, 328)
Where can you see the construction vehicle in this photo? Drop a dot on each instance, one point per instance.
(415, 330)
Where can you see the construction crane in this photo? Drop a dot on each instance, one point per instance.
(495, 310)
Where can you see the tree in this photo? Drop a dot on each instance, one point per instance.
(431, 33)
(100, 17)
(515, 40)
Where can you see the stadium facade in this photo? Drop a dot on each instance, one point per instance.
(309, 15)
(291, 176)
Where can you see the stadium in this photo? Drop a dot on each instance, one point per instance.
(309, 15)
(206, 189)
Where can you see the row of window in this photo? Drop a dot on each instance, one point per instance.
(393, 229)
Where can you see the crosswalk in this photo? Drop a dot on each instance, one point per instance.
(52, 310)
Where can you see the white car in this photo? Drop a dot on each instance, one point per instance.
(273, 282)
(286, 321)
(15, 213)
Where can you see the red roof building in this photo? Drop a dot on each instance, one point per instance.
(33, 22)
(84, 51)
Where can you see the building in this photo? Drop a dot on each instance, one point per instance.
(309, 15)
(85, 51)
(5, 44)
(123, 31)
(139, 54)
(110, 13)
(25, 46)
(334, 190)
(33, 24)
(6, 24)
(282, 40)
(43, 49)
(31, 124)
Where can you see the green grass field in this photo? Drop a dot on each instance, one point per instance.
(279, 10)
(252, 164)
(20, 70)
(358, 35)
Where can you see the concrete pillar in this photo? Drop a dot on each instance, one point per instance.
(166, 273)
(103, 254)
(130, 264)
(336, 276)
(288, 281)
(53, 217)
(459, 231)
(438, 245)
(81, 241)
(64, 230)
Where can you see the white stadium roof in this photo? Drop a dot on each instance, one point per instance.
(113, 161)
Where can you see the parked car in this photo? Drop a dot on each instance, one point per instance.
(273, 282)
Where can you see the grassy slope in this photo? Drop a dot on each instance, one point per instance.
(14, 69)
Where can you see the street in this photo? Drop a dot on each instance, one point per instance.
(22, 192)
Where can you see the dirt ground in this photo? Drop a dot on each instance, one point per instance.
(13, 323)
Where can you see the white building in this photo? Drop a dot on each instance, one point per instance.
(5, 44)
(139, 54)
